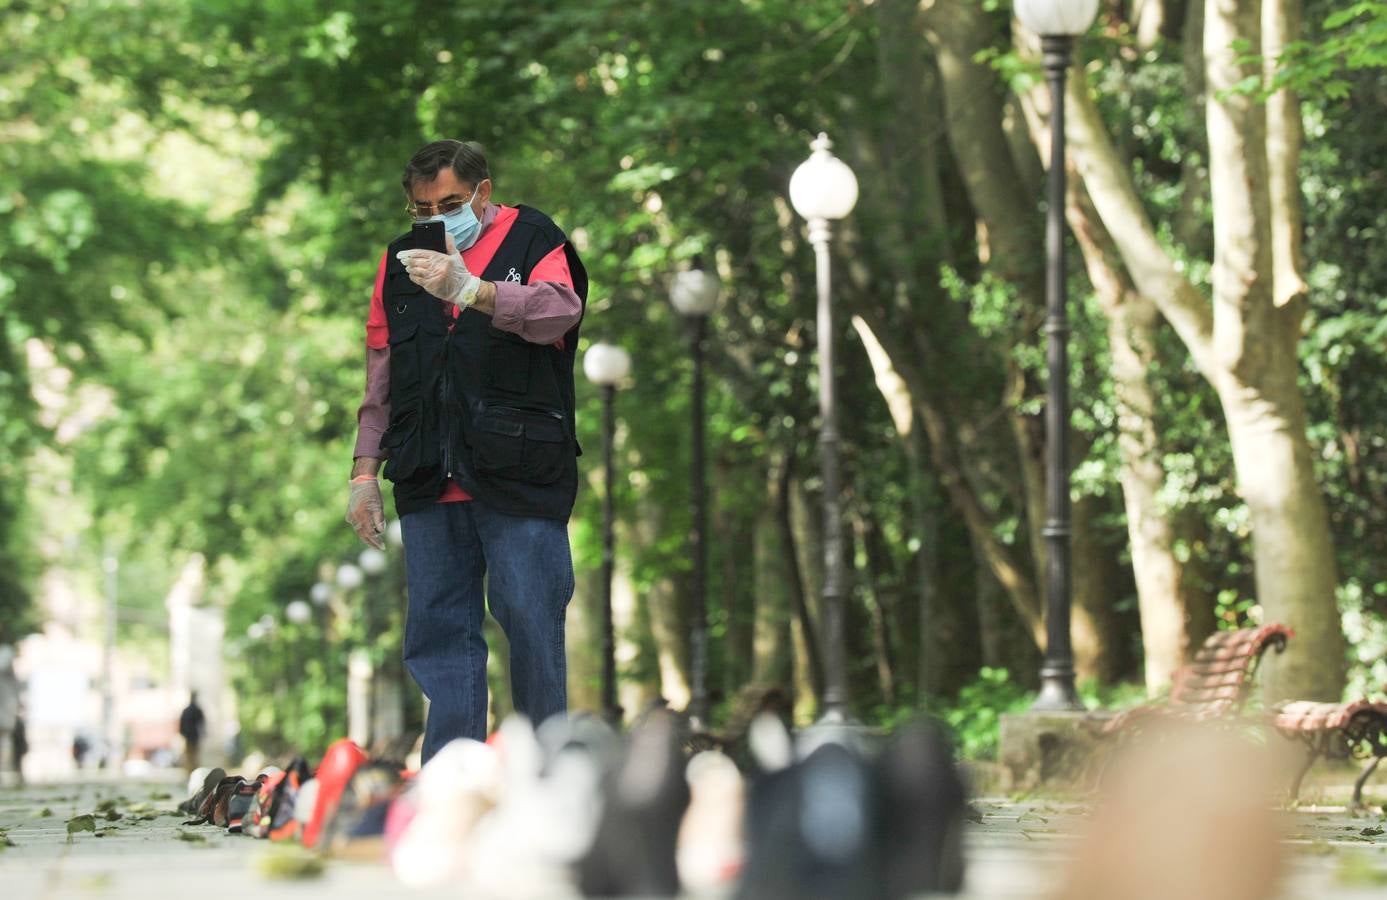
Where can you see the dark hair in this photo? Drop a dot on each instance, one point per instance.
(467, 159)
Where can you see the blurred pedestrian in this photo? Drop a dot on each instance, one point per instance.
(20, 746)
(9, 709)
(192, 724)
(80, 748)
(470, 403)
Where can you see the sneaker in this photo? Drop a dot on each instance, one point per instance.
(921, 808)
(710, 848)
(633, 852)
(340, 762)
(435, 816)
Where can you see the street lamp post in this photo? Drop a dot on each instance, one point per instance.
(694, 293)
(350, 577)
(606, 366)
(1057, 22)
(822, 189)
(321, 594)
(384, 692)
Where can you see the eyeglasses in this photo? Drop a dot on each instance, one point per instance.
(422, 211)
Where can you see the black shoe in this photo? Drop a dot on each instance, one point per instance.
(633, 851)
(209, 784)
(810, 830)
(921, 807)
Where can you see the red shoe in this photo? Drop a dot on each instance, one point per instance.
(340, 762)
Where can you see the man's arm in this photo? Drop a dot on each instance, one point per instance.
(542, 311)
(373, 416)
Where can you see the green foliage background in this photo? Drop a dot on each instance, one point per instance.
(194, 195)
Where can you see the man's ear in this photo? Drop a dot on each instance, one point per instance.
(484, 191)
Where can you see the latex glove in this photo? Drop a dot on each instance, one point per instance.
(444, 275)
(366, 512)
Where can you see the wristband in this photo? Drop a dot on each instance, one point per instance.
(469, 292)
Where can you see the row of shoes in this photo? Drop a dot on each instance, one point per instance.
(575, 806)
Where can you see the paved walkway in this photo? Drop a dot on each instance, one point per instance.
(1017, 851)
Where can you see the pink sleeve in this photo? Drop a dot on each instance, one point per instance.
(544, 310)
(373, 417)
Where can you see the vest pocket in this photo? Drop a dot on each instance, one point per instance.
(401, 441)
(508, 362)
(404, 362)
(519, 444)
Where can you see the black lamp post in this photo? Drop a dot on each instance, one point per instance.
(606, 366)
(822, 189)
(694, 293)
(1057, 22)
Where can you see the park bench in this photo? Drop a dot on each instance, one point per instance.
(1214, 685)
(1335, 731)
(1218, 681)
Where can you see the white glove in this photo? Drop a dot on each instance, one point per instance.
(366, 511)
(444, 275)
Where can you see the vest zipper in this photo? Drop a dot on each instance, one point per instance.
(447, 429)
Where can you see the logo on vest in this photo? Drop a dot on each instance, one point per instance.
(513, 275)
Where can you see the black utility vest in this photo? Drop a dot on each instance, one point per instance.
(481, 405)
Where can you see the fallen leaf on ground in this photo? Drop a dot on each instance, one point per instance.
(191, 838)
(287, 861)
(161, 795)
(106, 832)
(43, 813)
(1357, 868)
(1371, 832)
(81, 823)
(113, 815)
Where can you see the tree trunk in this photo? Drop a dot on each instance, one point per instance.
(809, 671)
(771, 648)
(881, 589)
(665, 603)
(1246, 347)
(583, 630)
(1281, 27)
(1097, 643)
(1256, 339)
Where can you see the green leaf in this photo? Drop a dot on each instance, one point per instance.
(81, 823)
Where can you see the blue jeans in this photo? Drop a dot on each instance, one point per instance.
(449, 548)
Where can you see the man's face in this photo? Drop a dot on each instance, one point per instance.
(432, 197)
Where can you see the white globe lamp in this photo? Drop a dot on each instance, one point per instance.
(606, 365)
(349, 577)
(298, 612)
(823, 187)
(1056, 18)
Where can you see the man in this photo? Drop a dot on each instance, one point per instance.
(470, 402)
(191, 725)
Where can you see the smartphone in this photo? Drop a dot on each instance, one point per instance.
(429, 236)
